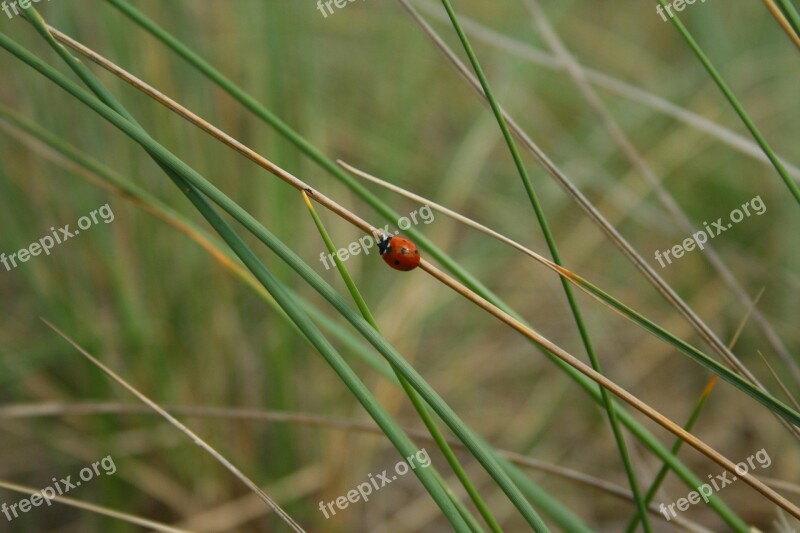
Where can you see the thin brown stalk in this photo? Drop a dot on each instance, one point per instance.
(188, 432)
(456, 216)
(782, 22)
(214, 131)
(105, 511)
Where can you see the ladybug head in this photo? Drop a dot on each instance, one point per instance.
(383, 244)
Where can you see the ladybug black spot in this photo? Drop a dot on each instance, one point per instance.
(396, 262)
(416, 252)
(404, 251)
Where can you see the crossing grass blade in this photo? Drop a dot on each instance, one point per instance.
(416, 401)
(736, 104)
(676, 448)
(619, 438)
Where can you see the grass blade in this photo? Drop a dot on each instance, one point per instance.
(737, 106)
(587, 384)
(135, 520)
(779, 13)
(185, 430)
(551, 245)
(418, 403)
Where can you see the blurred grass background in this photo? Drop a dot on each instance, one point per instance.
(365, 85)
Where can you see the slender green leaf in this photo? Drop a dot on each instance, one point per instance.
(551, 245)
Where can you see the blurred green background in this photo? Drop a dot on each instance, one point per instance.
(365, 85)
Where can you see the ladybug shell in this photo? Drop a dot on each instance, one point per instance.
(400, 254)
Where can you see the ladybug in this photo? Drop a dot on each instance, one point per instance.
(399, 253)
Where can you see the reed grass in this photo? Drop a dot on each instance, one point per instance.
(133, 302)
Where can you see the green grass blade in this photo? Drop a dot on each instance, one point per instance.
(551, 245)
(737, 106)
(791, 14)
(418, 403)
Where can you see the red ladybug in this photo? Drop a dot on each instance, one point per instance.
(399, 253)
